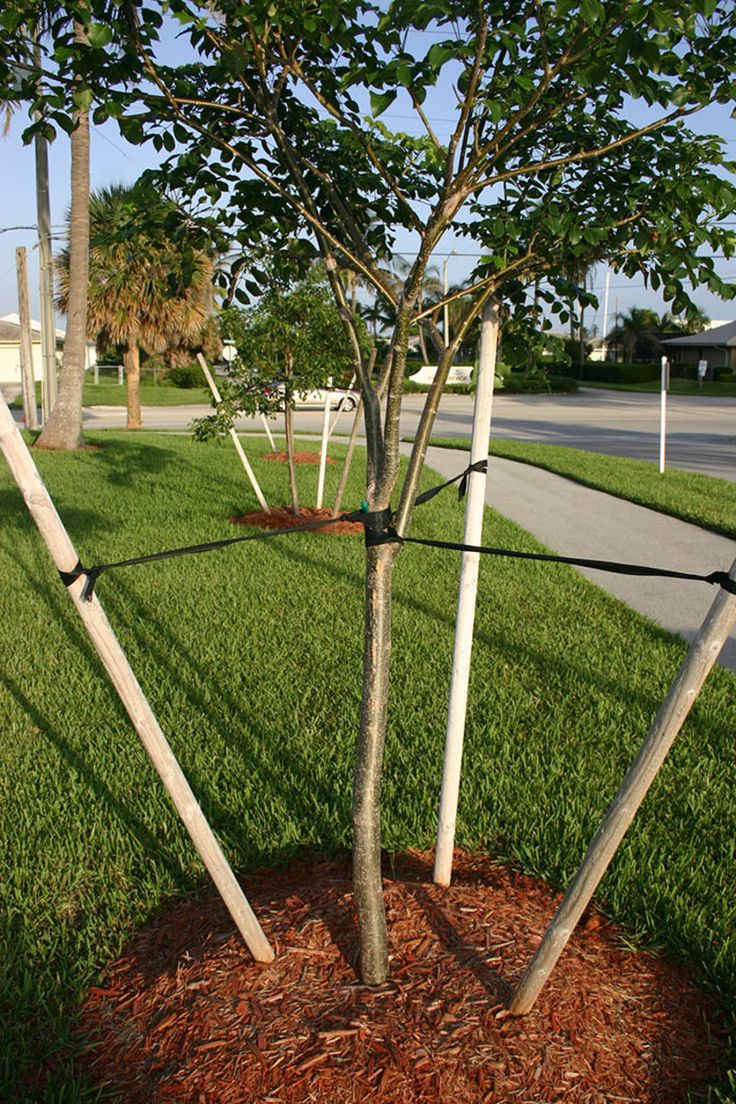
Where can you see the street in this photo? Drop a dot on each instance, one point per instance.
(701, 432)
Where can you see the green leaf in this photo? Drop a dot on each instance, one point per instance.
(592, 11)
(99, 35)
(380, 101)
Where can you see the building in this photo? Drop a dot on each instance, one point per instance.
(10, 349)
(716, 346)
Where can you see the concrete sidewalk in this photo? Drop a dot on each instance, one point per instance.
(573, 520)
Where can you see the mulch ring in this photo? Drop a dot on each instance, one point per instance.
(185, 1015)
(299, 457)
(282, 517)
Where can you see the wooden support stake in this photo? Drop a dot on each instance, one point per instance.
(26, 347)
(703, 653)
(269, 434)
(323, 449)
(116, 664)
(234, 437)
(467, 594)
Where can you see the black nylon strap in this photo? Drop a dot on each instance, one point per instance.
(719, 578)
(93, 573)
(462, 477)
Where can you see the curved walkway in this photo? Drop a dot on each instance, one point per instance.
(573, 520)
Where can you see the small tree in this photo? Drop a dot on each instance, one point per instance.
(290, 341)
(542, 168)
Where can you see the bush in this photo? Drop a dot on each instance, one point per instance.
(726, 377)
(603, 372)
(187, 376)
(539, 384)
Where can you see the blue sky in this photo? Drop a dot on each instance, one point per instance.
(113, 160)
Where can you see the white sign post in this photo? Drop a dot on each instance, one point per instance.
(702, 372)
(467, 593)
(664, 384)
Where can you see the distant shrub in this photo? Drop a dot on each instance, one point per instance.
(186, 376)
(603, 372)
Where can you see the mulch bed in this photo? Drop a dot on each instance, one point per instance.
(299, 457)
(282, 517)
(185, 1015)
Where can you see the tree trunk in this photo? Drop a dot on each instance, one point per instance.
(63, 430)
(367, 881)
(132, 362)
(289, 427)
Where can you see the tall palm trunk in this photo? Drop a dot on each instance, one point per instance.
(63, 430)
(132, 364)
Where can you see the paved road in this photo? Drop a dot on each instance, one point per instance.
(701, 431)
(590, 524)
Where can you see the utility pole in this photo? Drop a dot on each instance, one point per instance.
(605, 313)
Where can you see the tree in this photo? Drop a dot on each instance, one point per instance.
(150, 287)
(63, 430)
(637, 333)
(542, 168)
(293, 339)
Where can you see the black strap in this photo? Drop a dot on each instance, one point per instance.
(478, 466)
(93, 573)
(719, 578)
(379, 530)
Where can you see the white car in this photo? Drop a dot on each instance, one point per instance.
(339, 399)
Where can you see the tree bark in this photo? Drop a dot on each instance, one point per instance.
(132, 363)
(63, 430)
(367, 882)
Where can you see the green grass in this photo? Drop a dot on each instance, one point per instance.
(710, 389)
(111, 393)
(701, 499)
(251, 659)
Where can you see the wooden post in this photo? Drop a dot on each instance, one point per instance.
(27, 375)
(467, 594)
(121, 377)
(323, 450)
(116, 664)
(234, 437)
(688, 682)
(269, 434)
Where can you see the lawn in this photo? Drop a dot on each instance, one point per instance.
(710, 389)
(690, 496)
(251, 659)
(111, 393)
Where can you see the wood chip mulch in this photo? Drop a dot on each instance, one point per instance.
(282, 517)
(299, 457)
(185, 1015)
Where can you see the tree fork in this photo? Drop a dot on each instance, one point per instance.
(367, 881)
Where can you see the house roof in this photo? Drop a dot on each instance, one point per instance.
(718, 335)
(10, 332)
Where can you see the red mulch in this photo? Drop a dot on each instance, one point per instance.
(281, 517)
(299, 458)
(185, 1015)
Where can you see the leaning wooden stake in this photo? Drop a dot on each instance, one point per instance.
(689, 680)
(116, 664)
(26, 350)
(323, 449)
(234, 437)
(466, 602)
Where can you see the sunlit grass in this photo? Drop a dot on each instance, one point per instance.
(251, 659)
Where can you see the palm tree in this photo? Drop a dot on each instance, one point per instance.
(63, 429)
(695, 321)
(636, 332)
(150, 287)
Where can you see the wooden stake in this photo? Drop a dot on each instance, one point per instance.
(26, 346)
(688, 682)
(323, 449)
(467, 594)
(234, 437)
(269, 434)
(116, 664)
